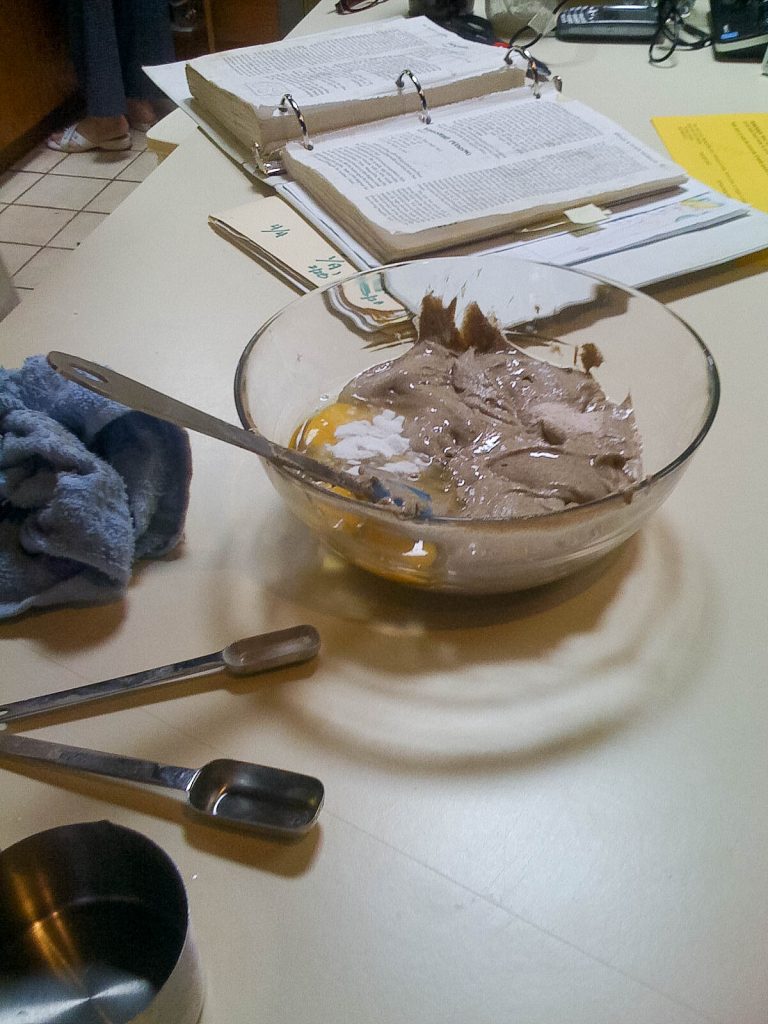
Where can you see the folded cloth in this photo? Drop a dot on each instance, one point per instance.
(86, 488)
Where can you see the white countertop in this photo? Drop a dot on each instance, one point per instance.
(546, 809)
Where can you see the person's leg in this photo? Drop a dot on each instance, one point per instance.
(104, 92)
(144, 37)
(97, 60)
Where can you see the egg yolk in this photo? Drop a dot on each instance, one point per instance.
(393, 555)
(386, 552)
(321, 428)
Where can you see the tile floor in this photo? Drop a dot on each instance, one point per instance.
(49, 202)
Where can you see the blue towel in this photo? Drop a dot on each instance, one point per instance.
(86, 488)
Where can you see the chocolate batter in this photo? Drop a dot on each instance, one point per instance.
(495, 431)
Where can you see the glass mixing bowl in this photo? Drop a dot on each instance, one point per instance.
(300, 360)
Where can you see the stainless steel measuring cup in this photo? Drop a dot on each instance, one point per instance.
(94, 928)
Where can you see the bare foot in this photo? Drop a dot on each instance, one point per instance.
(141, 114)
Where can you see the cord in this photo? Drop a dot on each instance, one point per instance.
(517, 38)
(670, 35)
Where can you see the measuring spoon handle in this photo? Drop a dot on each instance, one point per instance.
(95, 762)
(107, 688)
(113, 385)
(245, 657)
(110, 384)
(379, 486)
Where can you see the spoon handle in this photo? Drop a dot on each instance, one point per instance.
(96, 762)
(108, 687)
(376, 487)
(261, 653)
(110, 384)
(113, 385)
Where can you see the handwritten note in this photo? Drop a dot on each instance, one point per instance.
(271, 231)
(729, 152)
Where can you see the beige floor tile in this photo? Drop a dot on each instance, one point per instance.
(31, 225)
(40, 159)
(111, 197)
(95, 164)
(72, 234)
(142, 166)
(16, 183)
(62, 193)
(14, 255)
(40, 267)
(23, 293)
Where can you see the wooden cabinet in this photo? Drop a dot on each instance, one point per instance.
(232, 23)
(36, 74)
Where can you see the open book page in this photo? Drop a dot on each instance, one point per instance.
(334, 69)
(404, 187)
(362, 61)
(642, 241)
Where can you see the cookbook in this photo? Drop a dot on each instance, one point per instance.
(414, 139)
(268, 94)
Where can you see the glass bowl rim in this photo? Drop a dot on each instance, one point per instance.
(713, 380)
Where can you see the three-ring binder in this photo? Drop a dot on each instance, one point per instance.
(536, 71)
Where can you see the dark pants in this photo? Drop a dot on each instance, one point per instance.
(110, 41)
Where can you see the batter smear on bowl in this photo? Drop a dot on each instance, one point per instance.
(489, 430)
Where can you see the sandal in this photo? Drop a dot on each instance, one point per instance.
(73, 142)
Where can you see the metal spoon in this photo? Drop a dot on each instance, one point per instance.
(245, 657)
(381, 487)
(251, 796)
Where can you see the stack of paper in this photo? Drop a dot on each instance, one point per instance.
(272, 232)
(628, 245)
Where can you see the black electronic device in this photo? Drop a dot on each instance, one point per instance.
(739, 29)
(609, 22)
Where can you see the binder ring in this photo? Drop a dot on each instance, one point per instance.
(520, 51)
(532, 71)
(533, 74)
(288, 101)
(425, 115)
(536, 70)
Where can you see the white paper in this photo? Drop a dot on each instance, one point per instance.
(271, 230)
(648, 260)
(362, 61)
(661, 220)
(501, 156)
(586, 215)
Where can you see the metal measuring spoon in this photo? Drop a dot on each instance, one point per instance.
(242, 658)
(251, 796)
